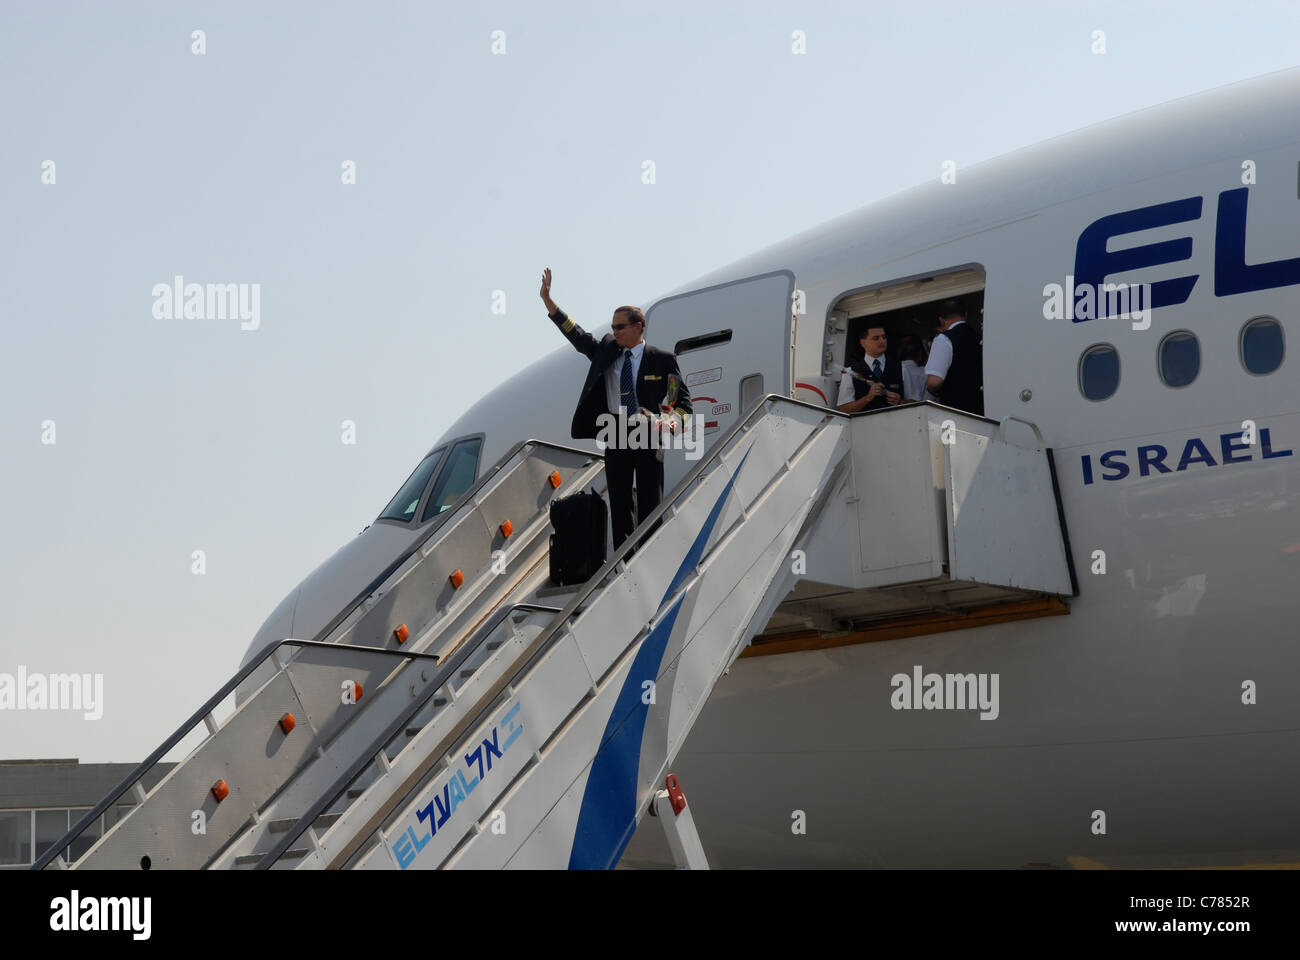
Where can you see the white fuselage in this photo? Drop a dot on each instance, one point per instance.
(1157, 723)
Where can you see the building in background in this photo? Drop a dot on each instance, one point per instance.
(41, 799)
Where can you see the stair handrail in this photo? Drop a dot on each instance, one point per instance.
(240, 675)
(547, 638)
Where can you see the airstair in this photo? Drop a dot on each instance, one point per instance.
(466, 713)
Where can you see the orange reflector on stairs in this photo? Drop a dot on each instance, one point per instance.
(287, 722)
(507, 528)
(456, 578)
(401, 633)
(675, 795)
(220, 790)
(555, 478)
(356, 691)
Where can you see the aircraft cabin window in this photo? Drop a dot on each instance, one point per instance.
(1099, 371)
(456, 477)
(1180, 358)
(1262, 345)
(402, 507)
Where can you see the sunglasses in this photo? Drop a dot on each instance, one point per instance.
(619, 326)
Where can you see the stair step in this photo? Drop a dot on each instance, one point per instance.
(554, 591)
(467, 673)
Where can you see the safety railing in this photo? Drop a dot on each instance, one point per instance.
(204, 714)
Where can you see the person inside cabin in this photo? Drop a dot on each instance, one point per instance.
(874, 381)
(955, 370)
(912, 355)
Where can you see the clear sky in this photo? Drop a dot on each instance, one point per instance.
(474, 170)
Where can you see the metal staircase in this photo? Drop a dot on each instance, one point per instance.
(517, 725)
(524, 730)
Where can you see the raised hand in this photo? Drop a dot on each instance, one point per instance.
(546, 291)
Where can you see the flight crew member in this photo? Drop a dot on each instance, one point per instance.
(879, 379)
(956, 365)
(912, 355)
(626, 375)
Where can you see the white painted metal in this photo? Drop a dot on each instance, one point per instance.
(679, 830)
(560, 708)
(989, 482)
(1144, 674)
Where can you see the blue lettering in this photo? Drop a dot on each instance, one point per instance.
(1268, 446)
(416, 840)
(1228, 447)
(1202, 457)
(492, 748)
(477, 755)
(1231, 272)
(444, 806)
(1087, 469)
(1152, 459)
(467, 786)
(1093, 263)
(457, 794)
(426, 813)
(1119, 466)
(402, 850)
(515, 731)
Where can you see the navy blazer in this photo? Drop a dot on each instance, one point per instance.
(651, 379)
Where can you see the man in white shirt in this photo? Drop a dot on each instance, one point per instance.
(955, 371)
(878, 382)
(626, 374)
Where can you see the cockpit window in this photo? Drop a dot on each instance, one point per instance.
(456, 477)
(403, 506)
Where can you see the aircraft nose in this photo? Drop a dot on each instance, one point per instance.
(278, 626)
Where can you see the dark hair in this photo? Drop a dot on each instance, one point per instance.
(910, 349)
(634, 315)
(951, 308)
(872, 326)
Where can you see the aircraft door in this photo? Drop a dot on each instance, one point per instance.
(734, 344)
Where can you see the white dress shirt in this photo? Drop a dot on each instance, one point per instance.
(940, 356)
(846, 380)
(913, 381)
(614, 378)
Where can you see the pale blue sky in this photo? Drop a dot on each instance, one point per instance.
(473, 172)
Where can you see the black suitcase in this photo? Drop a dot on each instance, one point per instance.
(578, 543)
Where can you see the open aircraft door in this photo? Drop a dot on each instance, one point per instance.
(734, 344)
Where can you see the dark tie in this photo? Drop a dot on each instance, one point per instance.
(875, 369)
(626, 386)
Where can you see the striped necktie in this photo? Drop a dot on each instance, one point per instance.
(627, 387)
(875, 368)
